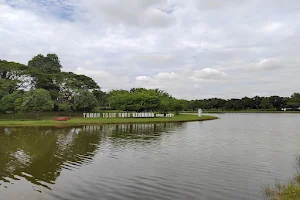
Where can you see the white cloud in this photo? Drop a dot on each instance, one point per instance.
(267, 64)
(153, 58)
(271, 27)
(201, 44)
(218, 4)
(134, 13)
(189, 48)
(95, 73)
(271, 63)
(166, 76)
(143, 78)
(182, 83)
(106, 80)
(208, 74)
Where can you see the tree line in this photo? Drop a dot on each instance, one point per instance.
(41, 85)
(275, 103)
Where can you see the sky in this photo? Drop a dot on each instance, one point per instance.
(192, 49)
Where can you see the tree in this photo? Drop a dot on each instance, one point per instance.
(265, 104)
(248, 103)
(6, 87)
(11, 102)
(234, 104)
(46, 71)
(294, 101)
(150, 103)
(85, 101)
(257, 100)
(137, 99)
(116, 98)
(196, 104)
(277, 102)
(176, 105)
(13, 76)
(164, 105)
(71, 83)
(37, 101)
(65, 106)
(77, 82)
(101, 97)
(46, 64)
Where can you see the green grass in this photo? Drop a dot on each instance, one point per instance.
(49, 120)
(289, 191)
(43, 115)
(243, 111)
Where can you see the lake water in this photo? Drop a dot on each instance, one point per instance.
(229, 158)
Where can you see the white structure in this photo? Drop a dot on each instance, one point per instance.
(169, 115)
(199, 112)
(125, 115)
(286, 109)
(91, 115)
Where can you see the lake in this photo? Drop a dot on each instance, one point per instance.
(229, 158)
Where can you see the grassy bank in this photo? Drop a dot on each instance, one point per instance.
(289, 191)
(243, 111)
(99, 121)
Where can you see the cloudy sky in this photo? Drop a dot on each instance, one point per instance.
(191, 48)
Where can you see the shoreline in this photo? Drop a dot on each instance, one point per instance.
(104, 121)
(222, 112)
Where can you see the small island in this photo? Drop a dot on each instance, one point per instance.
(41, 94)
(100, 121)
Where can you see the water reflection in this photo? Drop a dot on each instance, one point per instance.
(230, 158)
(39, 154)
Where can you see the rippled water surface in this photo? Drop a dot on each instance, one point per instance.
(229, 158)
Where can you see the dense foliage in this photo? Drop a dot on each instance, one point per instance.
(141, 99)
(37, 101)
(42, 86)
(246, 103)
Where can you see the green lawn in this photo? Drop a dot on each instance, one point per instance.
(49, 120)
(243, 111)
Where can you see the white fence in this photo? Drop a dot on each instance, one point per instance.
(125, 115)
